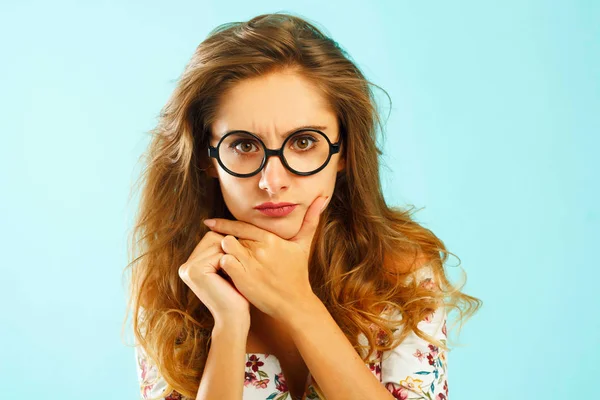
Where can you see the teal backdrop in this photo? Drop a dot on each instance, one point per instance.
(493, 133)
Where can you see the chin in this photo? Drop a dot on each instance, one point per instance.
(285, 228)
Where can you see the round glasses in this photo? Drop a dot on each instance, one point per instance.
(304, 152)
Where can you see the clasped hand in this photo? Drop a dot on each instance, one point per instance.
(269, 271)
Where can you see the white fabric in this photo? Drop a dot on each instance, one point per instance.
(416, 369)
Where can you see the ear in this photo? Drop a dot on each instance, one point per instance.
(211, 171)
(341, 164)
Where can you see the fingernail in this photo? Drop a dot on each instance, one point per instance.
(325, 204)
(209, 222)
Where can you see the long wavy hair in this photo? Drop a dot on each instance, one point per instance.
(363, 252)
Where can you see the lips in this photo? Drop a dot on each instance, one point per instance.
(278, 211)
(273, 205)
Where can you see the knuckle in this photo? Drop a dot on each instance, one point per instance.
(183, 270)
(261, 252)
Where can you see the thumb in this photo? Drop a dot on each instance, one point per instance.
(311, 220)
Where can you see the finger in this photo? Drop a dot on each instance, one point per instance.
(233, 267)
(311, 221)
(190, 272)
(210, 239)
(215, 248)
(230, 245)
(239, 229)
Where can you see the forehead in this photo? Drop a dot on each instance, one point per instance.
(273, 105)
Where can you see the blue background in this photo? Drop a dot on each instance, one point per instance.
(493, 133)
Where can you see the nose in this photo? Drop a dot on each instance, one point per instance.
(274, 176)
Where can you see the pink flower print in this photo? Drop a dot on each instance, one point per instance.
(146, 389)
(446, 387)
(398, 392)
(375, 367)
(254, 362)
(280, 383)
(428, 284)
(250, 378)
(175, 395)
(262, 384)
(430, 359)
(433, 350)
(381, 338)
(441, 396)
(419, 354)
(144, 367)
(428, 317)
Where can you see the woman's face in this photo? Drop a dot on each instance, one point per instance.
(269, 106)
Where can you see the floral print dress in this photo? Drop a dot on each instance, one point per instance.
(416, 369)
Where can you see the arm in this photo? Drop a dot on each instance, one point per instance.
(337, 368)
(223, 376)
(341, 373)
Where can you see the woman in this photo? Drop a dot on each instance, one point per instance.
(307, 285)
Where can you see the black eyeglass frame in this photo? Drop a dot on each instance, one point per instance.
(334, 148)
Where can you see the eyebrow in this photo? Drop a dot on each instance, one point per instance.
(284, 134)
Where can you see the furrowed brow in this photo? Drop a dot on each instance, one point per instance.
(285, 134)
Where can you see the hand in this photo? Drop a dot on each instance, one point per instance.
(269, 271)
(200, 273)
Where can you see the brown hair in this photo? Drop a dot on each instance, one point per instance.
(363, 249)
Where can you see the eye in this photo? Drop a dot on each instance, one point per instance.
(305, 141)
(246, 145)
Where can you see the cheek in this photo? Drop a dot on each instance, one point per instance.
(320, 183)
(232, 188)
(236, 191)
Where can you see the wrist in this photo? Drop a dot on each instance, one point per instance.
(295, 314)
(234, 326)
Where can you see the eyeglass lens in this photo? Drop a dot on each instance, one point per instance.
(304, 151)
